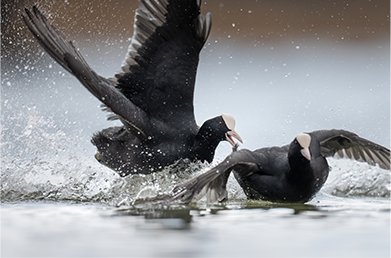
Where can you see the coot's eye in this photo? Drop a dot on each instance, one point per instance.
(220, 123)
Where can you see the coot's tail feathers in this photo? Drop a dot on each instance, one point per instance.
(344, 144)
(63, 51)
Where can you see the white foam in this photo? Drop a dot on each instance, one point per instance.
(350, 178)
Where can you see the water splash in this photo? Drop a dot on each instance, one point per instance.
(42, 162)
(350, 178)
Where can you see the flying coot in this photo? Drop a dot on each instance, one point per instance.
(152, 94)
(292, 173)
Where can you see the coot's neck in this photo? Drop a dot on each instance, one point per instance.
(205, 144)
(300, 169)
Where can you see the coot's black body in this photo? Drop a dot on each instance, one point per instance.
(152, 94)
(292, 173)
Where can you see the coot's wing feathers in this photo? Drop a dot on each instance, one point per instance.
(159, 70)
(49, 37)
(63, 51)
(213, 182)
(151, 15)
(344, 144)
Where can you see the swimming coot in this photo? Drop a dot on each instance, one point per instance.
(152, 94)
(292, 173)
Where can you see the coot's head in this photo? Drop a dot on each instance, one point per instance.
(300, 147)
(220, 128)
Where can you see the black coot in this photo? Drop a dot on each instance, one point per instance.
(292, 173)
(152, 93)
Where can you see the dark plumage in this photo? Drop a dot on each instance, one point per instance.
(292, 173)
(152, 93)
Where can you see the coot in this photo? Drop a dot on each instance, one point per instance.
(291, 173)
(152, 94)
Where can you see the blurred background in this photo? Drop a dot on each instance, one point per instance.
(279, 67)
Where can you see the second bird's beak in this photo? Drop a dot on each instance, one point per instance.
(233, 134)
(306, 153)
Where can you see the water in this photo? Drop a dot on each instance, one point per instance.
(326, 227)
(58, 201)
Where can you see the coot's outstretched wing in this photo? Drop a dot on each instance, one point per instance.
(157, 78)
(344, 144)
(213, 182)
(159, 70)
(63, 51)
